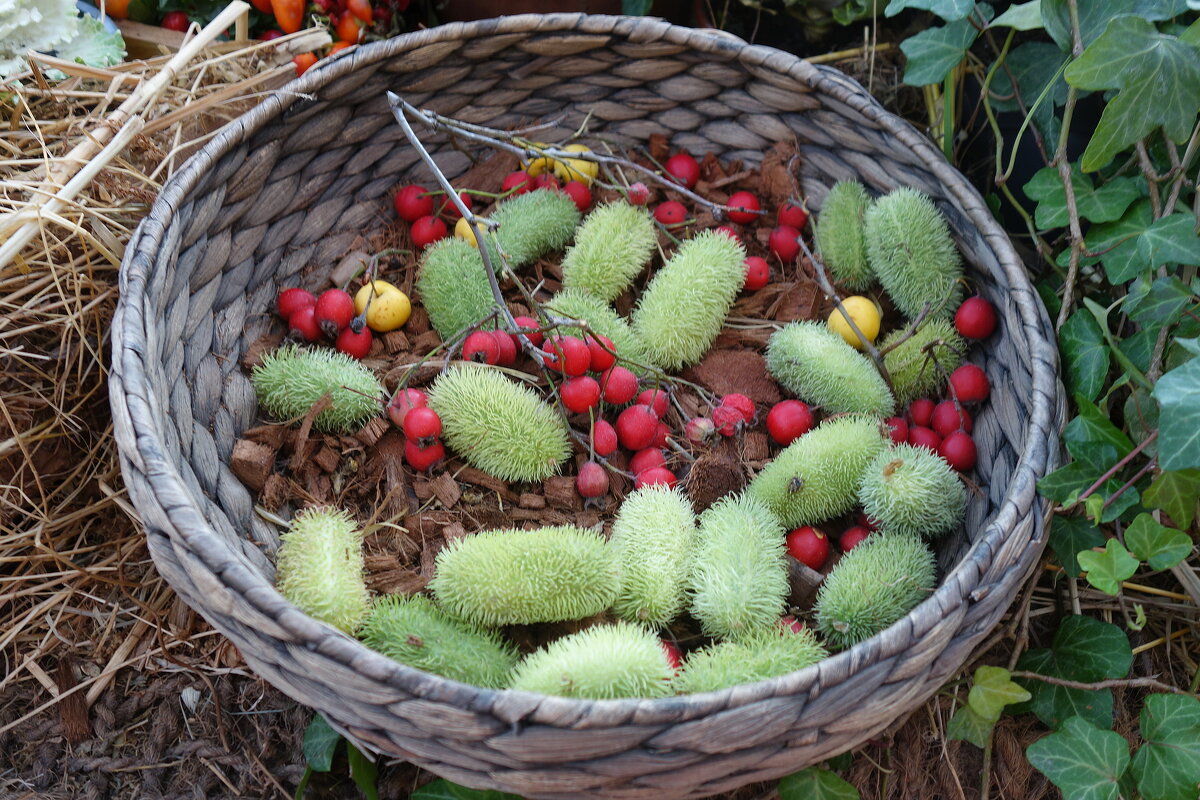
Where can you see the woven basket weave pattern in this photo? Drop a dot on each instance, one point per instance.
(292, 183)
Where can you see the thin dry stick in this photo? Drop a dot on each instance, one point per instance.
(1117, 683)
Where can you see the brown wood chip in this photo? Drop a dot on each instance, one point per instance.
(454, 530)
(252, 462)
(276, 492)
(755, 446)
(395, 342)
(560, 492)
(446, 489)
(260, 346)
(327, 458)
(477, 477)
(531, 500)
(426, 342)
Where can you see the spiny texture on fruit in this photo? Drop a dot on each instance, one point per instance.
(818, 365)
(911, 490)
(910, 250)
(611, 247)
(507, 577)
(414, 631)
(600, 663)
(497, 425)
(454, 287)
(578, 304)
(652, 537)
(291, 379)
(531, 225)
(883, 578)
(320, 567)
(912, 367)
(816, 476)
(682, 310)
(756, 657)
(839, 234)
(739, 575)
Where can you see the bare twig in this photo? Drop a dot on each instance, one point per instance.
(1116, 683)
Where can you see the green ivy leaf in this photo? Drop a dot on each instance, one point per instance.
(949, 10)
(1118, 241)
(1141, 418)
(363, 771)
(933, 52)
(1093, 425)
(1090, 650)
(1085, 355)
(1106, 570)
(1176, 494)
(1159, 81)
(1103, 203)
(1167, 766)
(1161, 547)
(1064, 484)
(320, 742)
(1159, 303)
(992, 690)
(816, 783)
(1032, 65)
(1053, 704)
(1070, 535)
(967, 726)
(1178, 396)
(1083, 761)
(1171, 240)
(1138, 346)
(1093, 17)
(1022, 16)
(442, 789)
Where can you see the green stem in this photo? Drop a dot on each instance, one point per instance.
(948, 116)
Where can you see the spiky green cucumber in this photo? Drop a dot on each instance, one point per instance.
(739, 576)
(497, 425)
(816, 476)
(912, 490)
(817, 365)
(599, 315)
(612, 246)
(839, 234)
(684, 307)
(291, 379)
(911, 251)
(603, 662)
(531, 225)
(912, 367)
(653, 537)
(320, 567)
(883, 578)
(453, 286)
(507, 577)
(756, 657)
(414, 631)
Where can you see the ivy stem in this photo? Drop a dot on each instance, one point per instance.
(1116, 683)
(1115, 468)
(1064, 174)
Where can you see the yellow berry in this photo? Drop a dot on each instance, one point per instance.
(865, 314)
(462, 229)
(536, 166)
(390, 307)
(577, 169)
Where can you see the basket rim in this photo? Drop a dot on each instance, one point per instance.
(962, 582)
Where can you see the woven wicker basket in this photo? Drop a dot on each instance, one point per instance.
(272, 193)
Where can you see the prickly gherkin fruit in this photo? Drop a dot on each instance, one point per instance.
(612, 246)
(911, 364)
(320, 567)
(764, 654)
(819, 367)
(653, 537)
(603, 662)
(531, 225)
(453, 286)
(292, 379)
(911, 251)
(911, 490)
(839, 234)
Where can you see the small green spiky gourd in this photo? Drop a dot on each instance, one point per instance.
(603, 662)
(530, 225)
(817, 365)
(912, 367)
(453, 286)
(497, 425)
(758, 656)
(600, 316)
(912, 490)
(879, 581)
(739, 575)
(839, 234)
(320, 567)
(516, 577)
(291, 379)
(816, 477)
(911, 251)
(652, 537)
(684, 307)
(612, 246)
(414, 631)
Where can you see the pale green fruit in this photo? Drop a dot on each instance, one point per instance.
(653, 537)
(839, 234)
(912, 367)
(911, 251)
(292, 379)
(911, 490)
(818, 366)
(603, 662)
(614, 244)
(756, 657)
(320, 567)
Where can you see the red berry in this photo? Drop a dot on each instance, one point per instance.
(866, 522)
(268, 35)
(920, 436)
(784, 243)
(355, 344)
(789, 624)
(674, 655)
(579, 193)
(335, 309)
(175, 21)
(292, 300)
(518, 182)
(619, 385)
(655, 398)
(793, 215)
(481, 347)
(684, 169)
(426, 231)
(545, 181)
(422, 459)
(727, 420)
(592, 480)
(567, 354)
(899, 429)
(853, 536)
(809, 546)
(788, 420)
(661, 433)
(670, 213)
(579, 394)
(758, 273)
(920, 412)
(604, 438)
(975, 318)
(422, 423)
(730, 232)
(507, 344)
(656, 476)
(647, 458)
(970, 384)
(699, 430)
(303, 324)
(947, 419)
(748, 203)
(601, 349)
(450, 211)
(404, 401)
(742, 404)
(412, 202)
(639, 194)
(959, 451)
(636, 427)
(530, 326)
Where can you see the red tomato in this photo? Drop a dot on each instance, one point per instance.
(262, 5)
(361, 9)
(175, 21)
(348, 28)
(290, 16)
(303, 62)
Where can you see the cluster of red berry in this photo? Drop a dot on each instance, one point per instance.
(422, 427)
(332, 315)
